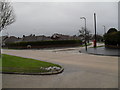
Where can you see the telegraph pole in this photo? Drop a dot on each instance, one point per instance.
(95, 30)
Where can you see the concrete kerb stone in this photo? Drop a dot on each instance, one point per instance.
(45, 73)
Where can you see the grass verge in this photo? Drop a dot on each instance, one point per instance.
(24, 65)
(98, 46)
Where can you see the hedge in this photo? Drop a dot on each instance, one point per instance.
(41, 43)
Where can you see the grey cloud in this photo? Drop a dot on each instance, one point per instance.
(62, 17)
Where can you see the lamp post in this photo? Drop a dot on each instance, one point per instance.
(85, 32)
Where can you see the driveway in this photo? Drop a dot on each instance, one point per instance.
(81, 71)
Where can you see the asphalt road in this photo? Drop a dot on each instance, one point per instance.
(81, 71)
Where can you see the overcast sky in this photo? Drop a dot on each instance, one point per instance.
(46, 18)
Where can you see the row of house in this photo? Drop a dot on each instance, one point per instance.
(33, 38)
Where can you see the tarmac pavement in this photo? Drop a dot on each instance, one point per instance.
(80, 70)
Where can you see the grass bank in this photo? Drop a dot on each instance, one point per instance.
(25, 65)
(98, 46)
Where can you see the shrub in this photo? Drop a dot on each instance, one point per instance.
(41, 43)
(112, 38)
(111, 30)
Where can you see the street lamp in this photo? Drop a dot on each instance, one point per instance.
(85, 32)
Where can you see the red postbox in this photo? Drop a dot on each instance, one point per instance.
(94, 43)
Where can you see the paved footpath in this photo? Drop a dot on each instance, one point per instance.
(81, 71)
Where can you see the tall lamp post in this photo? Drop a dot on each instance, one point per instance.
(85, 32)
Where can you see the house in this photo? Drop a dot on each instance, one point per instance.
(64, 37)
(57, 36)
(11, 39)
(43, 38)
(2, 40)
(27, 38)
(6, 39)
(33, 38)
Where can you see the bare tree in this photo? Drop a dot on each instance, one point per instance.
(82, 34)
(7, 16)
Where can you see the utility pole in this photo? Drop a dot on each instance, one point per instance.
(95, 30)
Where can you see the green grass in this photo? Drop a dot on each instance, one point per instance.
(98, 46)
(18, 64)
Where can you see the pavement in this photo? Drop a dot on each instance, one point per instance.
(102, 51)
(80, 70)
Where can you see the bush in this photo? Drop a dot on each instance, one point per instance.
(112, 38)
(111, 30)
